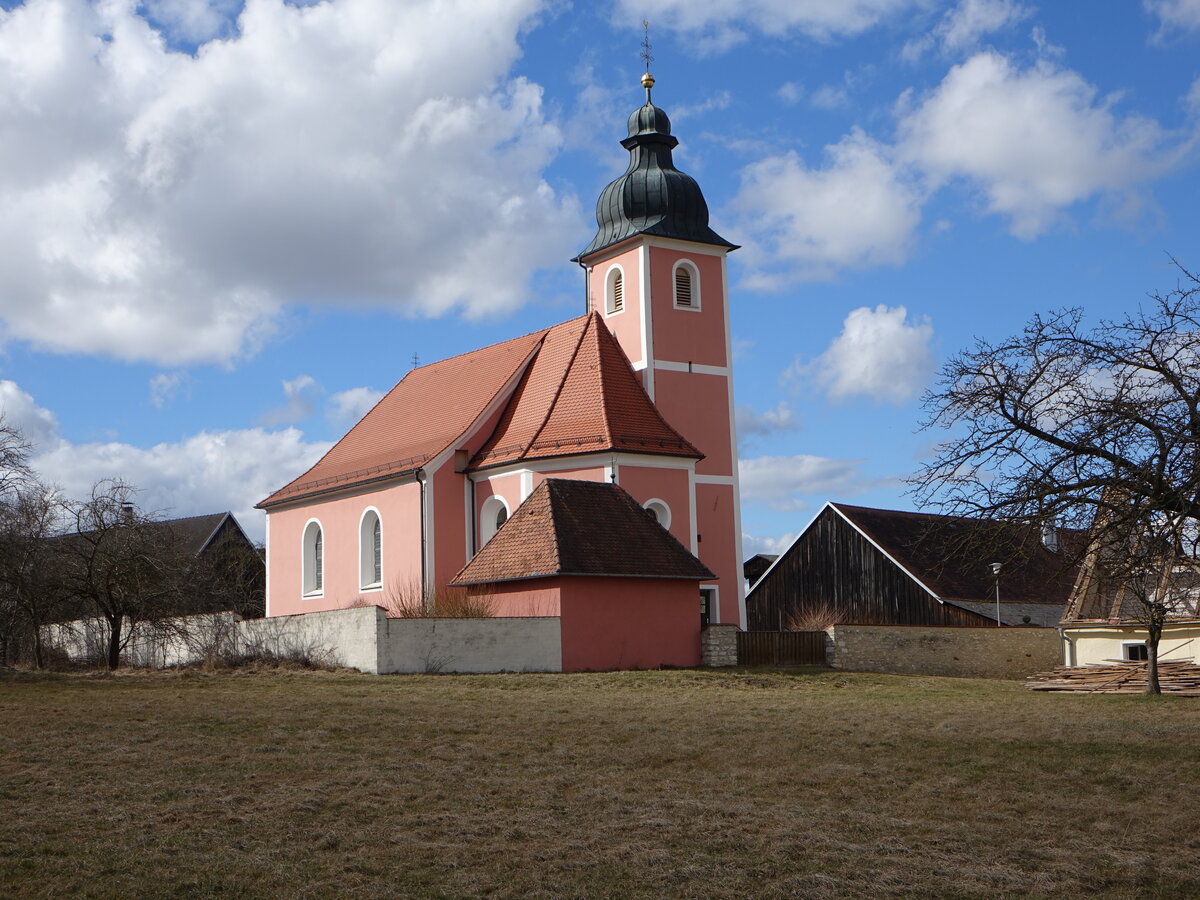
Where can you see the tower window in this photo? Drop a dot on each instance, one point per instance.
(370, 551)
(313, 560)
(614, 291)
(687, 286)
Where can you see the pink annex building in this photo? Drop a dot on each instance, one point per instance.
(635, 396)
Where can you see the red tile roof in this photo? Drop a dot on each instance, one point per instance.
(416, 420)
(570, 527)
(580, 396)
(577, 394)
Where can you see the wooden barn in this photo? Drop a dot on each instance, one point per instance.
(854, 565)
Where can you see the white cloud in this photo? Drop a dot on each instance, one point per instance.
(212, 471)
(829, 96)
(718, 24)
(36, 424)
(192, 21)
(347, 407)
(300, 395)
(790, 92)
(1183, 14)
(719, 100)
(784, 482)
(772, 546)
(163, 388)
(1033, 141)
(879, 354)
(859, 210)
(156, 205)
(781, 417)
(962, 27)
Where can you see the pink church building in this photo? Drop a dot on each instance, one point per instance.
(635, 396)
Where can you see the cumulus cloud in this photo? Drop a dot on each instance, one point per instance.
(347, 407)
(880, 354)
(719, 24)
(192, 21)
(37, 425)
(1174, 14)
(163, 388)
(1033, 141)
(962, 27)
(859, 210)
(791, 482)
(165, 206)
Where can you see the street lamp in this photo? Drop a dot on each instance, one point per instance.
(996, 573)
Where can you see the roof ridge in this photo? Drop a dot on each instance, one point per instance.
(561, 382)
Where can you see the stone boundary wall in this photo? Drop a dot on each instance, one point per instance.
(362, 638)
(986, 652)
(718, 645)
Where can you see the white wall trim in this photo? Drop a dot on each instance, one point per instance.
(685, 246)
(693, 525)
(608, 274)
(526, 483)
(716, 479)
(487, 517)
(658, 501)
(739, 549)
(370, 586)
(267, 555)
(319, 593)
(691, 368)
(647, 315)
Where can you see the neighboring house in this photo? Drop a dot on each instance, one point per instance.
(756, 566)
(862, 566)
(636, 392)
(1104, 621)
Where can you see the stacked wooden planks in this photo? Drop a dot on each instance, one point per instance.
(1181, 677)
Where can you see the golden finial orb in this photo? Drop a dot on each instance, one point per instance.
(647, 81)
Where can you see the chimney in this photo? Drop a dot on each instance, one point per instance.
(126, 513)
(1050, 536)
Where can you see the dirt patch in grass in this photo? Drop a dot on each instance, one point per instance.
(656, 784)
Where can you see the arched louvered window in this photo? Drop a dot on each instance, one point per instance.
(370, 551)
(312, 560)
(614, 291)
(660, 511)
(687, 286)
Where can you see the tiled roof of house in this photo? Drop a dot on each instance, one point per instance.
(568, 527)
(577, 394)
(580, 396)
(952, 556)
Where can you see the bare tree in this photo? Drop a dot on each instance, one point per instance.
(120, 564)
(31, 591)
(1092, 426)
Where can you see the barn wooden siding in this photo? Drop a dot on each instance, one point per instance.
(832, 565)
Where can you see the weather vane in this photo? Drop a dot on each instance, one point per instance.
(647, 79)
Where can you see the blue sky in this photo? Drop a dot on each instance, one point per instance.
(226, 228)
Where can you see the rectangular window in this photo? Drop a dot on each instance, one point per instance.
(1136, 652)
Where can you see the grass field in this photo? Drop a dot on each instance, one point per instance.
(655, 784)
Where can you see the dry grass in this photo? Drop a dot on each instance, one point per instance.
(657, 784)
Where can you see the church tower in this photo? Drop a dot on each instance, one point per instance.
(656, 272)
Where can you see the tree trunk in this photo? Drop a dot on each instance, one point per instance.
(39, 658)
(1154, 632)
(114, 642)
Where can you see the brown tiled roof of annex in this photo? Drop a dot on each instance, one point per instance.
(580, 395)
(568, 527)
(417, 419)
(951, 555)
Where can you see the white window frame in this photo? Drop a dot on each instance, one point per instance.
(366, 551)
(312, 564)
(653, 505)
(487, 517)
(694, 271)
(1125, 645)
(609, 294)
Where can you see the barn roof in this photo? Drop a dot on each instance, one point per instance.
(951, 556)
(572, 391)
(568, 527)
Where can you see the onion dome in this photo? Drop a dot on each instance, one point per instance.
(652, 197)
